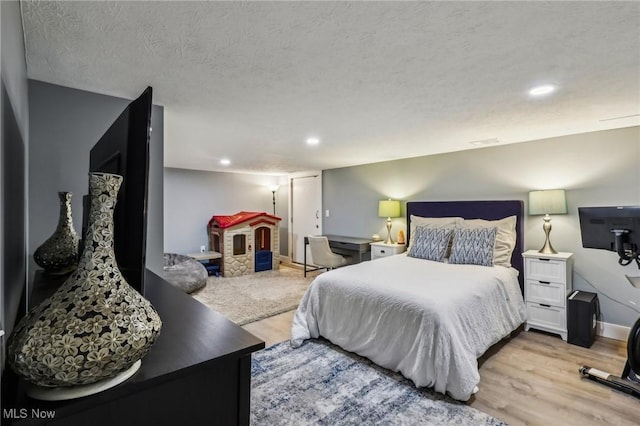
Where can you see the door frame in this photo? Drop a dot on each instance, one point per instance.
(291, 177)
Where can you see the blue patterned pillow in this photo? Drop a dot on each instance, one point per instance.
(473, 246)
(430, 243)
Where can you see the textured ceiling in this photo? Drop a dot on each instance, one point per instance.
(374, 81)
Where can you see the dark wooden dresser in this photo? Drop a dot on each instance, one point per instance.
(197, 373)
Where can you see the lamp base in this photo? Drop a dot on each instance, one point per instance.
(389, 240)
(547, 248)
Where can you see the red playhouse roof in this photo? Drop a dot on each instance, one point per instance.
(241, 217)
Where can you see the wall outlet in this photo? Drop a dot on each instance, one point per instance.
(202, 249)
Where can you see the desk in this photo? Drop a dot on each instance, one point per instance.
(358, 249)
(197, 372)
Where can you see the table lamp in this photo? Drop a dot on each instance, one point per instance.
(545, 203)
(389, 208)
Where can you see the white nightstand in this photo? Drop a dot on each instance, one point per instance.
(547, 282)
(379, 250)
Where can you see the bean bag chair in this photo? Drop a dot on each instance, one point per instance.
(184, 272)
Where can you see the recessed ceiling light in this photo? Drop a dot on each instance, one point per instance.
(313, 141)
(225, 161)
(545, 89)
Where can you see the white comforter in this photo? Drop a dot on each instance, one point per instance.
(428, 320)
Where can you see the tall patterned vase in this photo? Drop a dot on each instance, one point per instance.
(59, 253)
(95, 326)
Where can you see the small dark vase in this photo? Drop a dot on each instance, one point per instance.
(95, 326)
(59, 253)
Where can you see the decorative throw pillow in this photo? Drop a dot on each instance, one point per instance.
(473, 246)
(505, 237)
(430, 222)
(430, 243)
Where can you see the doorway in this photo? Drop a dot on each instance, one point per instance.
(305, 211)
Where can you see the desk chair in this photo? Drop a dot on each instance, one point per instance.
(321, 254)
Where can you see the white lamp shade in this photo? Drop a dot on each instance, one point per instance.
(551, 201)
(389, 208)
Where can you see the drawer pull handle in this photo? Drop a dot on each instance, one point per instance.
(382, 251)
(546, 306)
(544, 282)
(544, 260)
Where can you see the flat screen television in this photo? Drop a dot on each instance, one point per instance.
(612, 228)
(124, 150)
(13, 214)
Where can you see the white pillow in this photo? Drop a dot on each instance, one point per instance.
(505, 238)
(431, 222)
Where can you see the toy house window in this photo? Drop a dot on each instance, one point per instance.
(239, 244)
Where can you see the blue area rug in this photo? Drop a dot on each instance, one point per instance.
(320, 384)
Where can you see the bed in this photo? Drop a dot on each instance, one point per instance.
(428, 319)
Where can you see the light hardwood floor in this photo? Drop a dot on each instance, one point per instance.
(272, 330)
(531, 378)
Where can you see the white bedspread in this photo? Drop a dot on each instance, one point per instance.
(428, 320)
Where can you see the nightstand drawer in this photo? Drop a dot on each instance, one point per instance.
(546, 292)
(547, 316)
(545, 269)
(379, 251)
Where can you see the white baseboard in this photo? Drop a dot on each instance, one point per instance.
(613, 331)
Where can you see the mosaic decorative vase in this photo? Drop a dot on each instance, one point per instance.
(59, 253)
(95, 325)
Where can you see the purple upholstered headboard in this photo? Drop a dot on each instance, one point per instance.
(489, 210)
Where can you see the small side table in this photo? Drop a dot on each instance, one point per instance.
(547, 282)
(205, 255)
(379, 250)
(211, 259)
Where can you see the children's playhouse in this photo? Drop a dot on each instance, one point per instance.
(248, 241)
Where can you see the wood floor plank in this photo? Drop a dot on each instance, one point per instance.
(272, 330)
(531, 378)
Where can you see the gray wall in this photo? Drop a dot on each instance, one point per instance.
(14, 134)
(596, 169)
(192, 197)
(65, 124)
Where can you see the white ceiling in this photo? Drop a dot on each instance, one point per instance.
(374, 81)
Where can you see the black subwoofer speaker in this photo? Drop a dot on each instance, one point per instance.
(582, 318)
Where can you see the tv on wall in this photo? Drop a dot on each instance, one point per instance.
(615, 228)
(13, 215)
(124, 150)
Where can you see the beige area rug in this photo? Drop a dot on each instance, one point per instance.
(256, 296)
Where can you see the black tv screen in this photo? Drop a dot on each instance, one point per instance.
(599, 226)
(124, 150)
(12, 195)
